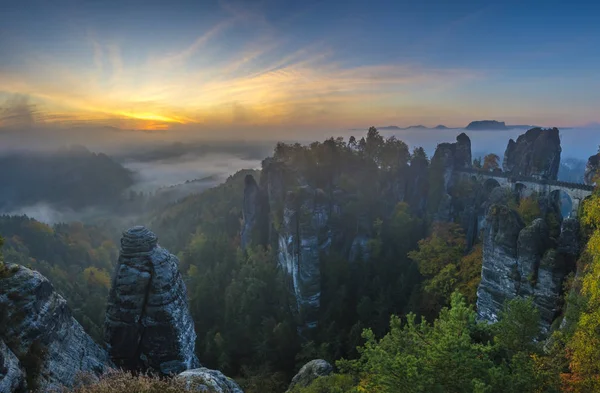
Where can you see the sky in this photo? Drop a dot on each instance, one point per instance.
(271, 67)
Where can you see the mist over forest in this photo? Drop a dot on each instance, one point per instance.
(164, 171)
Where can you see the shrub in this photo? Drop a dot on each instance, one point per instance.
(125, 382)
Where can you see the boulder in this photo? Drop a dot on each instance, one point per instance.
(206, 380)
(148, 325)
(37, 326)
(309, 372)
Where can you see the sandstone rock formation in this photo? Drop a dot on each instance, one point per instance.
(148, 324)
(39, 335)
(255, 214)
(535, 154)
(449, 157)
(309, 372)
(521, 260)
(206, 380)
(592, 169)
(304, 232)
(12, 377)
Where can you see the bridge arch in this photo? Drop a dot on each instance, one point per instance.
(565, 202)
(490, 184)
(522, 190)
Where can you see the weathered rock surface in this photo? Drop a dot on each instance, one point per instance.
(255, 214)
(592, 169)
(499, 274)
(535, 154)
(36, 322)
(148, 324)
(303, 234)
(452, 156)
(521, 260)
(206, 380)
(309, 372)
(12, 377)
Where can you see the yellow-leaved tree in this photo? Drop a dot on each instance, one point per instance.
(584, 346)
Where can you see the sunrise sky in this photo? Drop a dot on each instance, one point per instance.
(156, 65)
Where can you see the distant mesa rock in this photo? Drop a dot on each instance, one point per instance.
(441, 127)
(309, 372)
(592, 169)
(480, 125)
(206, 380)
(535, 154)
(387, 128)
(37, 323)
(148, 325)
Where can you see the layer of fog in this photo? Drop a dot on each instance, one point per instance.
(208, 170)
(179, 164)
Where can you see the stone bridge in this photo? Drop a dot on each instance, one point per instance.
(528, 185)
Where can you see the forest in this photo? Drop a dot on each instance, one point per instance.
(399, 318)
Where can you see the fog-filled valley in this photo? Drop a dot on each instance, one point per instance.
(61, 181)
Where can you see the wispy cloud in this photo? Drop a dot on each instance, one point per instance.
(271, 80)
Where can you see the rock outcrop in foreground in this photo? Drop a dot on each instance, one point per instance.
(148, 324)
(309, 372)
(535, 154)
(206, 380)
(39, 338)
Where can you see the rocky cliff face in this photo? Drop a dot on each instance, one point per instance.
(304, 233)
(255, 214)
(148, 324)
(521, 260)
(12, 377)
(592, 169)
(449, 157)
(535, 154)
(39, 338)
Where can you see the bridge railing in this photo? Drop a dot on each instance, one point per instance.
(515, 179)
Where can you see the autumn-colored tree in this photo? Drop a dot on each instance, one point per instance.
(491, 162)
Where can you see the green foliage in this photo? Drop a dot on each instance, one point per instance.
(125, 382)
(77, 259)
(529, 209)
(584, 345)
(442, 261)
(453, 354)
(335, 383)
